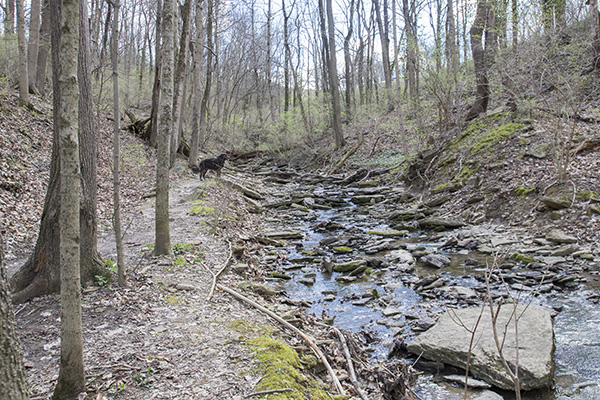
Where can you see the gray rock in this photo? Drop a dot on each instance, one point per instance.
(488, 395)
(558, 236)
(565, 250)
(471, 382)
(437, 222)
(555, 204)
(436, 260)
(448, 342)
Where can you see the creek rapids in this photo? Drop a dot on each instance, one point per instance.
(392, 295)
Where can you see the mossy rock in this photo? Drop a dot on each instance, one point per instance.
(522, 258)
(281, 367)
(349, 266)
(342, 249)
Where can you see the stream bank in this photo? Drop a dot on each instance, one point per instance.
(378, 261)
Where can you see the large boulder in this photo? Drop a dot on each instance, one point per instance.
(448, 341)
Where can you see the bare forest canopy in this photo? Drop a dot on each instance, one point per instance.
(256, 74)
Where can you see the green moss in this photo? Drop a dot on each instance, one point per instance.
(281, 368)
(586, 195)
(522, 191)
(198, 209)
(342, 249)
(182, 248)
(172, 300)
(522, 258)
(465, 173)
(494, 135)
(110, 265)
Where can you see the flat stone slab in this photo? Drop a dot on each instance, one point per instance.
(448, 341)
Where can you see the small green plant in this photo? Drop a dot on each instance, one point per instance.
(173, 300)
(110, 265)
(143, 378)
(180, 260)
(101, 280)
(182, 248)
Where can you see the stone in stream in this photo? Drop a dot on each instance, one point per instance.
(437, 223)
(435, 260)
(385, 232)
(349, 266)
(565, 250)
(448, 342)
(367, 199)
(283, 235)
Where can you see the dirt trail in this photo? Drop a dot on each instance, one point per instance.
(158, 338)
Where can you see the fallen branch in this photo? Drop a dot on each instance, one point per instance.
(215, 276)
(346, 156)
(268, 392)
(291, 327)
(353, 379)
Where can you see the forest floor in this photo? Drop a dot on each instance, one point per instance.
(161, 337)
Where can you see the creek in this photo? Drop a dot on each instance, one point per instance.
(392, 299)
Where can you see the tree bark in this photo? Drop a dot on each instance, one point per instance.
(43, 49)
(479, 60)
(13, 381)
(114, 48)
(165, 131)
(71, 377)
(382, 24)
(209, 72)
(412, 48)
(152, 134)
(180, 74)
(32, 51)
(197, 93)
(22, 44)
(595, 28)
(348, 65)
(9, 18)
(91, 262)
(333, 78)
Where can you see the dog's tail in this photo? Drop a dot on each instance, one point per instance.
(195, 169)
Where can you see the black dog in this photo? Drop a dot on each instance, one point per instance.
(216, 164)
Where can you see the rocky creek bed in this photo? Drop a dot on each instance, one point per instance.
(378, 261)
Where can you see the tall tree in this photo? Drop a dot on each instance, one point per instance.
(9, 18)
(114, 50)
(153, 127)
(481, 57)
(412, 48)
(43, 49)
(197, 77)
(32, 50)
(71, 377)
(40, 274)
(348, 64)
(22, 42)
(91, 263)
(162, 244)
(333, 79)
(595, 28)
(209, 67)
(384, 36)
(180, 75)
(13, 382)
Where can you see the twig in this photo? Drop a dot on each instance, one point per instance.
(291, 327)
(268, 392)
(353, 379)
(215, 276)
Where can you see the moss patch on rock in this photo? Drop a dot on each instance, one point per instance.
(281, 368)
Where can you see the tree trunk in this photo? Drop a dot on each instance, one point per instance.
(287, 65)
(40, 275)
(91, 262)
(43, 49)
(209, 72)
(71, 377)
(333, 78)
(180, 74)
(412, 48)
(22, 41)
(32, 51)
(595, 27)
(165, 131)
(9, 18)
(152, 135)
(479, 60)
(197, 93)
(451, 49)
(13, 381)
(348, 65)
(382, 24)
(114, 48)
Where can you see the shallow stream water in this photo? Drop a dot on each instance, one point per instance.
(576, 326)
